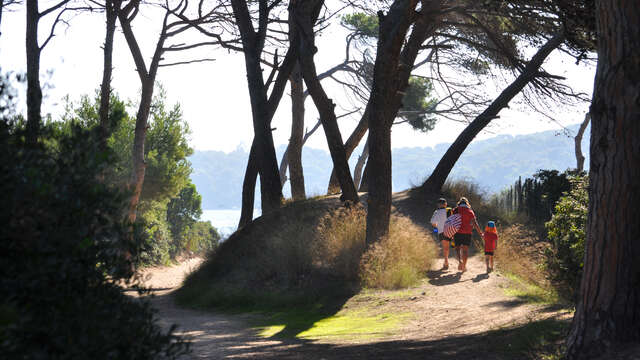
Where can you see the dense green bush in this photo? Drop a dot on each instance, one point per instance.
(200, 238)
(63, 245)
(566, 231)
(169, 204)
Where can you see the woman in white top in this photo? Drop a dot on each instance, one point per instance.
(437, 221)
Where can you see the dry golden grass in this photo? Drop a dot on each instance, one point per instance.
(341, 241)
(401, 259)
(518, 253)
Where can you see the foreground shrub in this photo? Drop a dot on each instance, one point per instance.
(567, 234)
(61, 249)
(399, 260)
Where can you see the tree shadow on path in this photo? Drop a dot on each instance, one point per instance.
(437, 278)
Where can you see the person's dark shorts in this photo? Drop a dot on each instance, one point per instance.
(441, 237)
(488, 253)
(462, 239)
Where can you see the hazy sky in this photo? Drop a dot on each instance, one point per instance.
(214, 95)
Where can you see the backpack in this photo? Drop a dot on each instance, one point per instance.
(452, 225)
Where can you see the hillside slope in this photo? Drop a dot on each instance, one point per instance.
(494, 164)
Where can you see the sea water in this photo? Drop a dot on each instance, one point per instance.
(225, 220)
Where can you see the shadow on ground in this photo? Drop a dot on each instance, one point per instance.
(215, 338)
(438, 278)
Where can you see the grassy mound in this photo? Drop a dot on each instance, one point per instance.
(309, 253)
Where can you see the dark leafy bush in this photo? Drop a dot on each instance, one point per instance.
(63, 246)
(566, 231)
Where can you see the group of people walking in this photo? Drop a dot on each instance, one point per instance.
(455, 227)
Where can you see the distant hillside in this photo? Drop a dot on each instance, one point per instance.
(493, 163)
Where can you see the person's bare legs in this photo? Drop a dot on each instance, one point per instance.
(465, 255)
(458, 257)
(486, 260)
(445, 254)
(491, 261)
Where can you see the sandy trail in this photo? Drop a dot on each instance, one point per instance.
(452, 311)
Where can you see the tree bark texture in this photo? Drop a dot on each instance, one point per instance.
(305, 16)
(294, 154)
(445, 165)
(111, 9)
(578, 143)
(34, 91)
(608, 311)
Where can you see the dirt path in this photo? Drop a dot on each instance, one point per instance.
(452, 311)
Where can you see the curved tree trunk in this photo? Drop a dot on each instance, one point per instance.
(608, 312)
(294, 153)
(249, 189)
(284, 163)
(147, 81)
(111, 8)
(139, 164)
(34, 91)
(445, 165)
(305, 15)
(265, 154)
(351, 144)
(357, 172)
(578, 143)
(262, 108)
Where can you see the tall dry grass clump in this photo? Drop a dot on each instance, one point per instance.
(399, 260)
(341, 241)
(517, 254)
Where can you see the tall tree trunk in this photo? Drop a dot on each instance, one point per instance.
(608, 312)
(297, 132)
(384, 106)
(34, 91)
(351, 144)
(305, 16)
(137, 155)
(445, 165)
(147, 81)
(111, 9)
(270, 189)
(262, 108)
(249, 188)
(578, 143)
(357, 172)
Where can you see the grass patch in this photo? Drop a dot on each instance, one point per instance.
(530, 292)
(344, 325)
